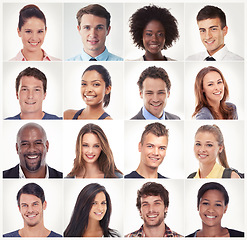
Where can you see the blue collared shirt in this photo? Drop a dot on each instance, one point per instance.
(147, 115)
(104, 56)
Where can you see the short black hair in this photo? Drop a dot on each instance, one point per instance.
(32, 189)
(139, 20)
(212, 12)
(212, 186)
(154, 72)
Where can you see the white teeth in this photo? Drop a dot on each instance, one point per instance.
(89, 97)
(155, 105)
(210, 216)
(33, 157)
(152, 216)
(30, 216)
(154, 159)
(34, 44)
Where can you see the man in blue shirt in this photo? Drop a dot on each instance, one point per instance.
(94, 26)
(154, 86)
(31, 203)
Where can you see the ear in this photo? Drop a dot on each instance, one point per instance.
(44, 205)
(226, 208)
(19, 32)
(166, 209)
(16, 147)
(221, 149)
(19, 208)
(108, 90)
(44, 96)
(139, 146)
(47, 145)
(108, 30)
(17, 95)
(141, 94)
(225, 30)
(168, 94)
(78, 28)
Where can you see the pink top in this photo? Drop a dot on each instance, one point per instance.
(20, 57)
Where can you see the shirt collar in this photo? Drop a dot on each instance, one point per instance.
(22, 175)
(102, 57)
(20, 56)
(216, 172)
(147, 115)
(219, 55)
(168, 232)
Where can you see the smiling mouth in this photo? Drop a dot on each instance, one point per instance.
(153, 216)
(89, 97)
(98, 213)
(93, 42)
(30, 103)
(34, 43)
(154, 159)
(202, 155)
(209, 42)
(155, 104)
(217, 93)
(210, 217)
(90, 156)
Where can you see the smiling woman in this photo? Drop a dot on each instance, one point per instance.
(32, 30)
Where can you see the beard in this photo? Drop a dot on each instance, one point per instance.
(155, 224)
(33, 167)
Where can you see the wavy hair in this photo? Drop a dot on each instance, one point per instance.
(105, 160)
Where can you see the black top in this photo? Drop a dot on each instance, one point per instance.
(232, 232)
(134, 174)
(102, 117)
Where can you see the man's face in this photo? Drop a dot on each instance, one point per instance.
(30, 95)
(32, 147)
(212, 35)
(93, 31)
(153, 150)
(152, 211)
(31, 209)
(154, 94)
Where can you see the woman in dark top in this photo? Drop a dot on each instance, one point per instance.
(212, 203)
(95, 91)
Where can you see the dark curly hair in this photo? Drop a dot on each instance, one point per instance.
(139, 20)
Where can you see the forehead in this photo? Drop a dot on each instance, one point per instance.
(100, 196)
(205, 135)
(151, 138)
(28, 198)
(92, 75)
(154, 83)
(90, 137)
(34, 22)
(213, 195)
(31, 133)
(151, 198)
(92, 20)
(212, 76)
(154, 25)
(30, 81)
(209, 22)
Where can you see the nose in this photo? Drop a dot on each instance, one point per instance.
(154, 37)
(30, 208)
(155, 97)
(88, 89)
(34, 36)
(92, 32)
(156, 151)
(208, 34)
(30, 94)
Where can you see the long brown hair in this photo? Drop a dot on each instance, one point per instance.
(201, 100)
(215, 130)
(105, 160)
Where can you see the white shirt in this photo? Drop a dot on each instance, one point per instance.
(221, 55)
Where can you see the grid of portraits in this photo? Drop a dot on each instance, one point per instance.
(63, 92)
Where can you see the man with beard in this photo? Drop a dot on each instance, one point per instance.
(152, 202)
(153, 145)
(32, 146)
(31, 204)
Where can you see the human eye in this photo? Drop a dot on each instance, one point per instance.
(220, 82)
(24, 89)
(160, 34)
(104, 202)
(41, 31)
(99, 27)
(205, 203)
(97, 146)
(86, 27)
(210, 145)
(96, 84)
(161, 92)
(148, 34)
(202, 30)
(214, 29)
(163, 148)
(28, 31)
(218, 205)
(149, 146)
(197, 144)
(84, 145)
(83, 84)
(37, 89)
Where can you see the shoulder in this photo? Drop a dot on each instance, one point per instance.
(113, 57)
(161, 176)
(232, 56)
(69, 114)
(12, 234)
(170, 59)
(138, 116)
(53, 234)
(133, 174)
(48, 116)
(16, 117)
(192, 175)
(53, 173)
(196, 57)
(171, 116)
(204, 113)
(192, 234)
(75, 58)
(231, 105)
(235, 233)
(118, 174)
(12, 172)
(138, 59)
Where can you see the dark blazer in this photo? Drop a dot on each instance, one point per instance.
(168, 116)
(14, 173)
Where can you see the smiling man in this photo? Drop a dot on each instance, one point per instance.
(153, 146)
(152, 202)
(32, 146)
(31, 203)
(93, 27)
(154, 86)
(31, 85)
(212, 26)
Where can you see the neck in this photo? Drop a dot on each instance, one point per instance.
(41, 173)
(214, 231)
(33, 56)
(157, 231)
(147, 172)
(154, 57)
(93, 171)
(205, 169)
(93, 112)
(215, 51)
(94, 54)
(36, 115)
(38, 230)
(93, 229)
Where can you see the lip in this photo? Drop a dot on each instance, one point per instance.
(98, 213)
(209, 42)
(92, 42)
(89, 97)
(210, 216)
(34, 44)
(152, 217)
(30, 103)
(217, 93)
(202, 156)
(90, 156)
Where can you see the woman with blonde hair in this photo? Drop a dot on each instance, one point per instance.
(211, 93)
(209, 145)
(94, 158)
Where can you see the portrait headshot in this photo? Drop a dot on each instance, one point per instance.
(151, 149)
(93, 32)
(152, 207)
(32, 92)
(94, 149)
(154, 32)
(32, 209)
(206, 100)
(156, 89)
(211, 207)
(93, 91)
(218, 36)
(214, 150)
(37, 148)
(93, 208)
(35, 30)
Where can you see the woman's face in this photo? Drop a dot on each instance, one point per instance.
(91, 148)
(206, 148)
(99, 207)
(213, 87)
(32, 34)
(154, 37)
(93, 88)
(212, 207)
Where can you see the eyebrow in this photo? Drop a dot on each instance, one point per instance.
(209, 27)
(209, 200)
